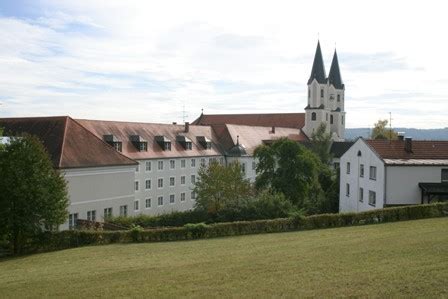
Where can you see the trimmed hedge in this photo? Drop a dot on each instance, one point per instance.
(68, 239)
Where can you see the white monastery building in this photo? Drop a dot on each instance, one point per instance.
(381, 173)
(128, 168)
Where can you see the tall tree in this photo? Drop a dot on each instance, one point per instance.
(33, 195)
(220, 186)
(380, 131)
(286, 167)
(321, 143)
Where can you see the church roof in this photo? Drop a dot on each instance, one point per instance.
(335, 74)
(285, 120)
(318, 70)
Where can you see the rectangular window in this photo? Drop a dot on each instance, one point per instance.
(160, 183)
(182, 163)
(182, 197)
(193, 162)
(348, 167)
(172, 164)
(361, 194)
(124, 211)
(243, 168)
(148, 184)
(322, 93)
(361, 170)
(137, 168)
(372, 173)
(136, 185)
(143, 146)
(254, 166)
(372, 198)
(193, 179)
(72, 219)
(172, 181)
(91, 215)
(136, 205)
(347, 189)
(160, 200)
(444, 175)
(107, 213)
(193, 195)
(160, 165)
(202, 162)
(182, 180)
(148, 203)
(172, 198)
(148, 166)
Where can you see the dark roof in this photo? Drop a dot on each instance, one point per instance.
(334, 77)
(318, 70)
(421, 149)
(285, 120)
(68, 143)
(338, 148)
(434, 188)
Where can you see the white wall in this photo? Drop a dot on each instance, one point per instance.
(368, 158)
(97, 188)
(402, 182)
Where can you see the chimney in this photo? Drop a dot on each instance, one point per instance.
(187, 127)
(273, 130)
(408, 144)
(400, 136)
(174, 123)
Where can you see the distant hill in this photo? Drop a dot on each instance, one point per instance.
(418, 134)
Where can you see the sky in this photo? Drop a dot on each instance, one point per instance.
(165, 61)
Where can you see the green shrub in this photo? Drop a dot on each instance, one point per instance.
(67, 239)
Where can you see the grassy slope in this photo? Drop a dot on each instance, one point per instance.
(398, 259)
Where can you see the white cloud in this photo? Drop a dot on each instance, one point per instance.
(144, 60)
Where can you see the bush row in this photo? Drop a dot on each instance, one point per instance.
(68, 239)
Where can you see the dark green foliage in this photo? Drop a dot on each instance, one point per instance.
(33, 195)
(288, 168)
(321, 143)
(66, 239)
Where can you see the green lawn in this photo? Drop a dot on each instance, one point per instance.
(407, 259)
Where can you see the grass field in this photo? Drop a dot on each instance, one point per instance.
(408, 259)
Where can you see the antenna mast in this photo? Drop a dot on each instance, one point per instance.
(390, 126)
(184, 113)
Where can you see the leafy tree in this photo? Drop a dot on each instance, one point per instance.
(220, 186)
(380, 131)
(321, 143)
(286, 167)
(33, 195)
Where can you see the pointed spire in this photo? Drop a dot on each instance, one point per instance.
(318, 70)
(335, 74)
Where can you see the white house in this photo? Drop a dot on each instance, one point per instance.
(381, 173)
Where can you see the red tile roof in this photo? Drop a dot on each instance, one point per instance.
(251, 136)
(421, 149)
(68, 143)
(285, 120)
(123, 130)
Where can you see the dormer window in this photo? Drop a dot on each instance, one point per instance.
(113, 141)
(204, 142)
(163, 142)
(185, 142)
(140, 144)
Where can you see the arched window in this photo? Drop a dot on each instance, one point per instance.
(313, 116)
(342, 120)
(326, 117)
(331, 119)
(322, 93)
(339, 97)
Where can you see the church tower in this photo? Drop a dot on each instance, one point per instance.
(325, 98)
